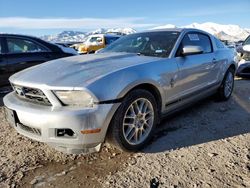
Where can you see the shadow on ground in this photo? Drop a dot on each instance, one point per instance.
(1, 99)
(207, 121)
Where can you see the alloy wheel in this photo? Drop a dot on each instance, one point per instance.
(228, 88)
(138, 121)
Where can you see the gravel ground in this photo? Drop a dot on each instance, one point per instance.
(19, 154)
(207, 145)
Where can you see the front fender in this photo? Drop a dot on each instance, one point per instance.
(117, 84)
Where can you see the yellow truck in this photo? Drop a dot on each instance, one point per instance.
(96, 42)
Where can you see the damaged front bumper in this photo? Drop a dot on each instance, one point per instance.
(67, 129)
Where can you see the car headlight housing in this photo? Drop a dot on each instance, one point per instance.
(75, 98)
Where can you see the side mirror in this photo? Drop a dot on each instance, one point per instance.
(191, 50)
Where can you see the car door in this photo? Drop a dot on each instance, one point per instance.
(194, 70)
(3, 64)
(23, 53)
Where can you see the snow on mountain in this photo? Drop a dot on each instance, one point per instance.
(65, 36)
(97, 31)
(121, 31)
(76, 36)
(224, 32)
(125, 31)
(165, 26)
(248, 30)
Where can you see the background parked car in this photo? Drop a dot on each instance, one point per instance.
(96, 42)
(18, 52)
(68, 44)
(244, 64)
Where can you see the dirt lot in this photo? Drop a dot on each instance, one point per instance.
(207, 145)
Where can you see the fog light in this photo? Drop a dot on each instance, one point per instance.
(65, 133)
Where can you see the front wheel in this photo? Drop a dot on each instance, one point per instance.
(226, 88)
(134, 122)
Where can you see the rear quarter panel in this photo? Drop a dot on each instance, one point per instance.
(226, 58)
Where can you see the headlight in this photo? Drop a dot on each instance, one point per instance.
(75, 98)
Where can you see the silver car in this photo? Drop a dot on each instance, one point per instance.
(244, 63)
(120, 93)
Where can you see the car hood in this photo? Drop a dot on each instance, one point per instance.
(78, 71)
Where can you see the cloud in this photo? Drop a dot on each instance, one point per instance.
(71, 23)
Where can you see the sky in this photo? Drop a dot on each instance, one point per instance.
(53, 16)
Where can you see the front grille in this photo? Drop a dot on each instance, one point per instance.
(31, 94)
(30, 129)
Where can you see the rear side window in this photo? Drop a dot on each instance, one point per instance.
(197, 39)
(16, 45)
(218, 43)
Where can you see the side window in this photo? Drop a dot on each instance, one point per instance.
(197, 39)
(16, 45)
(218, 43)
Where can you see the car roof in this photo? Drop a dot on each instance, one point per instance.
(17, 35)
(48, 44)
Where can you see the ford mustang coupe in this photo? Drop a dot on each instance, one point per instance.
(122, 92)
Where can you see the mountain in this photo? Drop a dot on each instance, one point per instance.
(121, 31)
(223, 32)
(168, 26)
(77, 36)
(125, 31)
(65, 36)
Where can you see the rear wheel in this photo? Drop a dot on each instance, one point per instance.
(226, 88)
(134, 122)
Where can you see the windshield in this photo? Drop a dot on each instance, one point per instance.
(95, 39)
(157, 44)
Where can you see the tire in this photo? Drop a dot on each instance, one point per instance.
(227, 85)
(131, 129)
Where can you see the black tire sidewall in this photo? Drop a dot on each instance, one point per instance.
(222, 95)
(119, 116)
